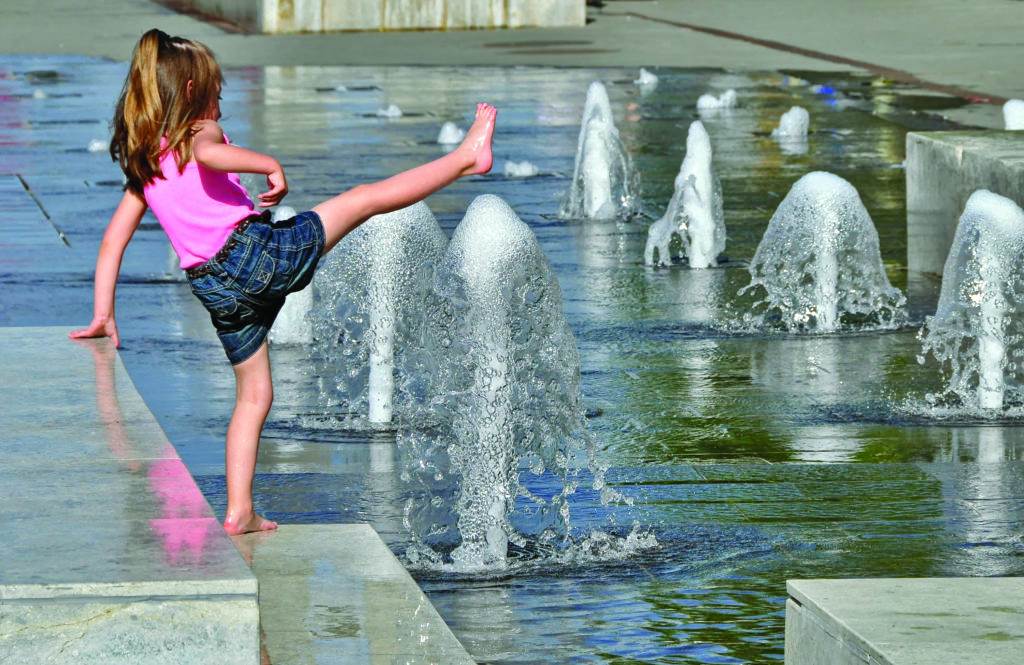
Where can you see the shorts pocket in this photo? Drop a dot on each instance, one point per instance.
(261, 275)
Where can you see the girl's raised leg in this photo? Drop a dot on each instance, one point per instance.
(254, 393)
(350, 209)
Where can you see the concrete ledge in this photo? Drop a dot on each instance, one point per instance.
(110, 554)
(943, 170)
(333, 593)
(291, 16)
(905, 621)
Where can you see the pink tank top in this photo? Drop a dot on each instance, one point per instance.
(197, 208)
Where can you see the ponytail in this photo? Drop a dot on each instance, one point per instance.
(154, 104)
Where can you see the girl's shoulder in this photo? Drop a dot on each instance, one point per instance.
(209, 130)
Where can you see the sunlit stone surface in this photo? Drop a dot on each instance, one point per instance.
(335, 593)
(147, 574)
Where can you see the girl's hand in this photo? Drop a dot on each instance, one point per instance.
(100, 327)
(278, 188)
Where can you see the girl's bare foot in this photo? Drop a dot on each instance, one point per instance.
(247, 523)
(477, 144)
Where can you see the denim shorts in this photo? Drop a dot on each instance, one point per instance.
(244, 286)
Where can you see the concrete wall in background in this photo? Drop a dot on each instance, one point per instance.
(289, 16)
(943, 170)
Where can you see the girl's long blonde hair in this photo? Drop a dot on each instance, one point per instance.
(155, 102)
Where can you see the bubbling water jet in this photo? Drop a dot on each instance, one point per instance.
(504, 377)
(604, 183)
(819, 264)
(695, 211)
(978, 325)
(1013, 114)
(372, 288)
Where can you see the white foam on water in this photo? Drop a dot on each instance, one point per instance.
(793, 124)
(450, 133)
(818, 267)
(646, 81)
(708, 102)
(694, 213)
(39, 93)
(98, 145)
(1013, 114)
(604, 184)
(373, 296)
(523, 169)
(977, 332)
(390, 111)
(646, 78)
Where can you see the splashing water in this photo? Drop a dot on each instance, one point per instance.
(604, 183)
(450, 134)
(793, 124)
(503, 389)
(978, 327)
(791, 134)
(1013, 114)
(819, 266)
(694, 213)
(522, 169)
(389, 111)
(708, 102)
(372, 291)
(646, 81)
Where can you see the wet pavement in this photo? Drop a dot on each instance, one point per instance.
(752, 459)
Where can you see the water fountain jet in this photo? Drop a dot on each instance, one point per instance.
(604, 183)
(977, 328)
(508, 379)
(372, 288)
(819, 262)
(695, 211)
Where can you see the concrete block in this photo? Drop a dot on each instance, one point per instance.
(329, 591)
(284, 16)
(353, 15)
(548, 13)
(130, 630)
(462, 14)
(414, 14)
(943, 170)
(905, 621)
(290, 16)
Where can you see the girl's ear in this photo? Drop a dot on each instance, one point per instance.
(188, 90)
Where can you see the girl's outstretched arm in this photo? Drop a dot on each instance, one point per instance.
(209, 149)
(108, 264)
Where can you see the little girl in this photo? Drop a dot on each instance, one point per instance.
(179, 164)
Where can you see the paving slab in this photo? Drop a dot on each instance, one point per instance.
(943, 170)
(905, 621)
(110, 553)
(334, 593)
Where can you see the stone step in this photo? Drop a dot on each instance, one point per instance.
(943, 170)
(110, 554)
(334, 593)
(925, 621)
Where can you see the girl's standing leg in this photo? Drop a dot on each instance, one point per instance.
(254, 393)
(350, 209)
